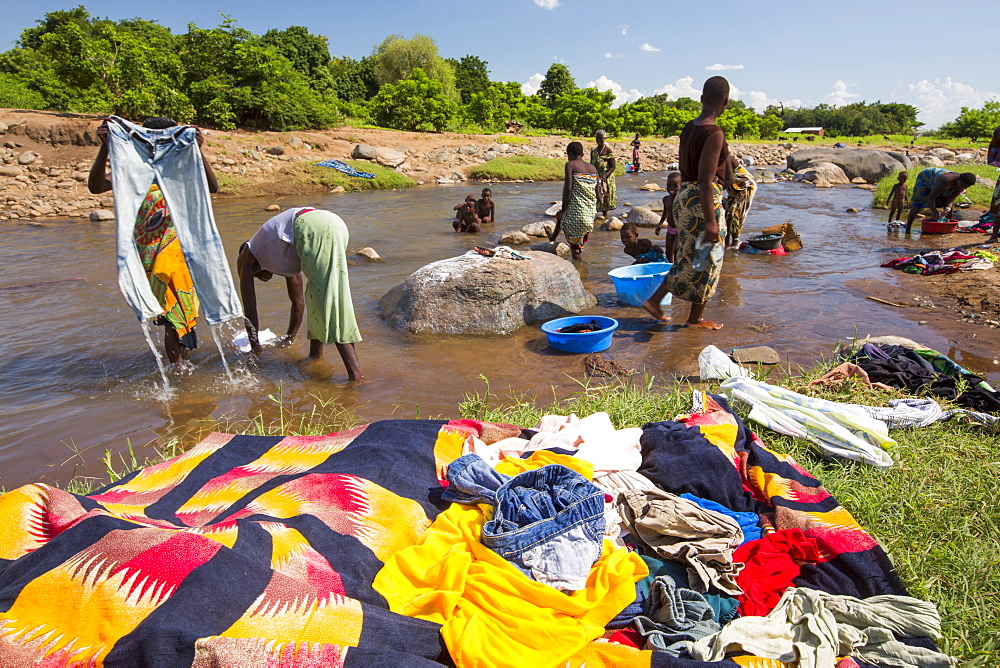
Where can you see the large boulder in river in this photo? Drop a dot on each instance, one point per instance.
(642, 216)
(822, 171)
(473, 294)
(871, 165)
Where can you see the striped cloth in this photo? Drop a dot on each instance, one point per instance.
(578, 218)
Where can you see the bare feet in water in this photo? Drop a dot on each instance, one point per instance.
(655, 311)
(704, 324)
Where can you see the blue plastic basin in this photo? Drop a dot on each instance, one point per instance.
(637, 283)
(580, 342)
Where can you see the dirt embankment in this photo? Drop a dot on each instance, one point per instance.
(46, 157)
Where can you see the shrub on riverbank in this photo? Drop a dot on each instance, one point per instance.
(520, 168)
(309, 176)
(980, 195)
(934, 512)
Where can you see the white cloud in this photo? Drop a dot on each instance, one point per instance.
(840, 95)
(608, 54)
(720, 66)
(646, 46)
(759, 100)
(530, 87)
(557, 59)
(680, 88)
(941, 101)
(547, 4)
(603, 83)
(624, 30)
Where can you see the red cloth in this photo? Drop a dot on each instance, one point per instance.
(627, 636)
(771, 563)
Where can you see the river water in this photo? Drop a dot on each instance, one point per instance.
(77, 378)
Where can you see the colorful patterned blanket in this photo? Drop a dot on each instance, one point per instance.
(250, 550)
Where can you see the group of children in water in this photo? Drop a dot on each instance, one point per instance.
(472, 214)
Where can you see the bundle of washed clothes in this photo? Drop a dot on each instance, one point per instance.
(943, 262)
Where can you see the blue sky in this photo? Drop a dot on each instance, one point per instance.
(774, 52)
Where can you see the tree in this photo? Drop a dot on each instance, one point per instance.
(308, 53)
(353, 80)
(584, 112)
(495, 104)
(396, 58)
(558, 81)
(471, 76)
(415, 103)
(974, 123)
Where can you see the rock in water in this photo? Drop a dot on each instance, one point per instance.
(560, 248)
(643, 217)
(101, 214)
(554, 209)
(612, 224)
(540, 229)
(869, 164)
(472, 294)
(823, 171)
(651, 187)
(514, 238)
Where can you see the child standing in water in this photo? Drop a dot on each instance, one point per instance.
(897, 197)
(485, 208)
(673, 185)
(643, 250)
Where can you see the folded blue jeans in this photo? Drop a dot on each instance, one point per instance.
(170, 158)
(548, 522)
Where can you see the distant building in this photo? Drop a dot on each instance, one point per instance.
(803, 131)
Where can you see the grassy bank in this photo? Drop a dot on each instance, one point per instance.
(525, 168)
(935, 511)
(308, 176)
(980, 195)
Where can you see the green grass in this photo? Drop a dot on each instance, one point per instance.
(935, 511)
(513, 140)
(980, 195)
(520, 168)
(310, 173)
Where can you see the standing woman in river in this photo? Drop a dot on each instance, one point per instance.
(698, 212)
(603, 158)
(160, 251)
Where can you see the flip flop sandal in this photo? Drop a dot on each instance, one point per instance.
(486, 252)
(758, 354)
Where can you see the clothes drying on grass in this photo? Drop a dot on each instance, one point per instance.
(342, 550)
(925, 370)
(341, 166)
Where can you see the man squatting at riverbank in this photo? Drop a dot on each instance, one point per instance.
(937, 188)
(310, 243)
(697, 209)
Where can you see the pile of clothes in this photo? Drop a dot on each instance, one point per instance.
(943, 262)
(429, 543)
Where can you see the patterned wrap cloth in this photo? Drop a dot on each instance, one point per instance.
(682, 280)
(740, 197)
(607, 193)
(578, 218)
(167, 271)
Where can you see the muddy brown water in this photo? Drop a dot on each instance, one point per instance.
(77, 378)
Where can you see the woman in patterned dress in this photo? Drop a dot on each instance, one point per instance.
(576, 217)
(603, 158)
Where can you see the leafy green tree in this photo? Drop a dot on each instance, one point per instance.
(974, 123)
(17, 94)
(585, 111)
(234, 79)
(308, 53)
(770, 126)
(471, 76)
(415, 103)
(673, 119)
(558, 81)
(353, 80)
(396, 58)
(740, 122)
(495, 104)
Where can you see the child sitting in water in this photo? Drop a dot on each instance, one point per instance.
(485, 208)
(643, 250)
(466, 219)
(897, 197)
(673, 186)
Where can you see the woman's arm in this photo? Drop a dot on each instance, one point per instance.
(99, 180)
